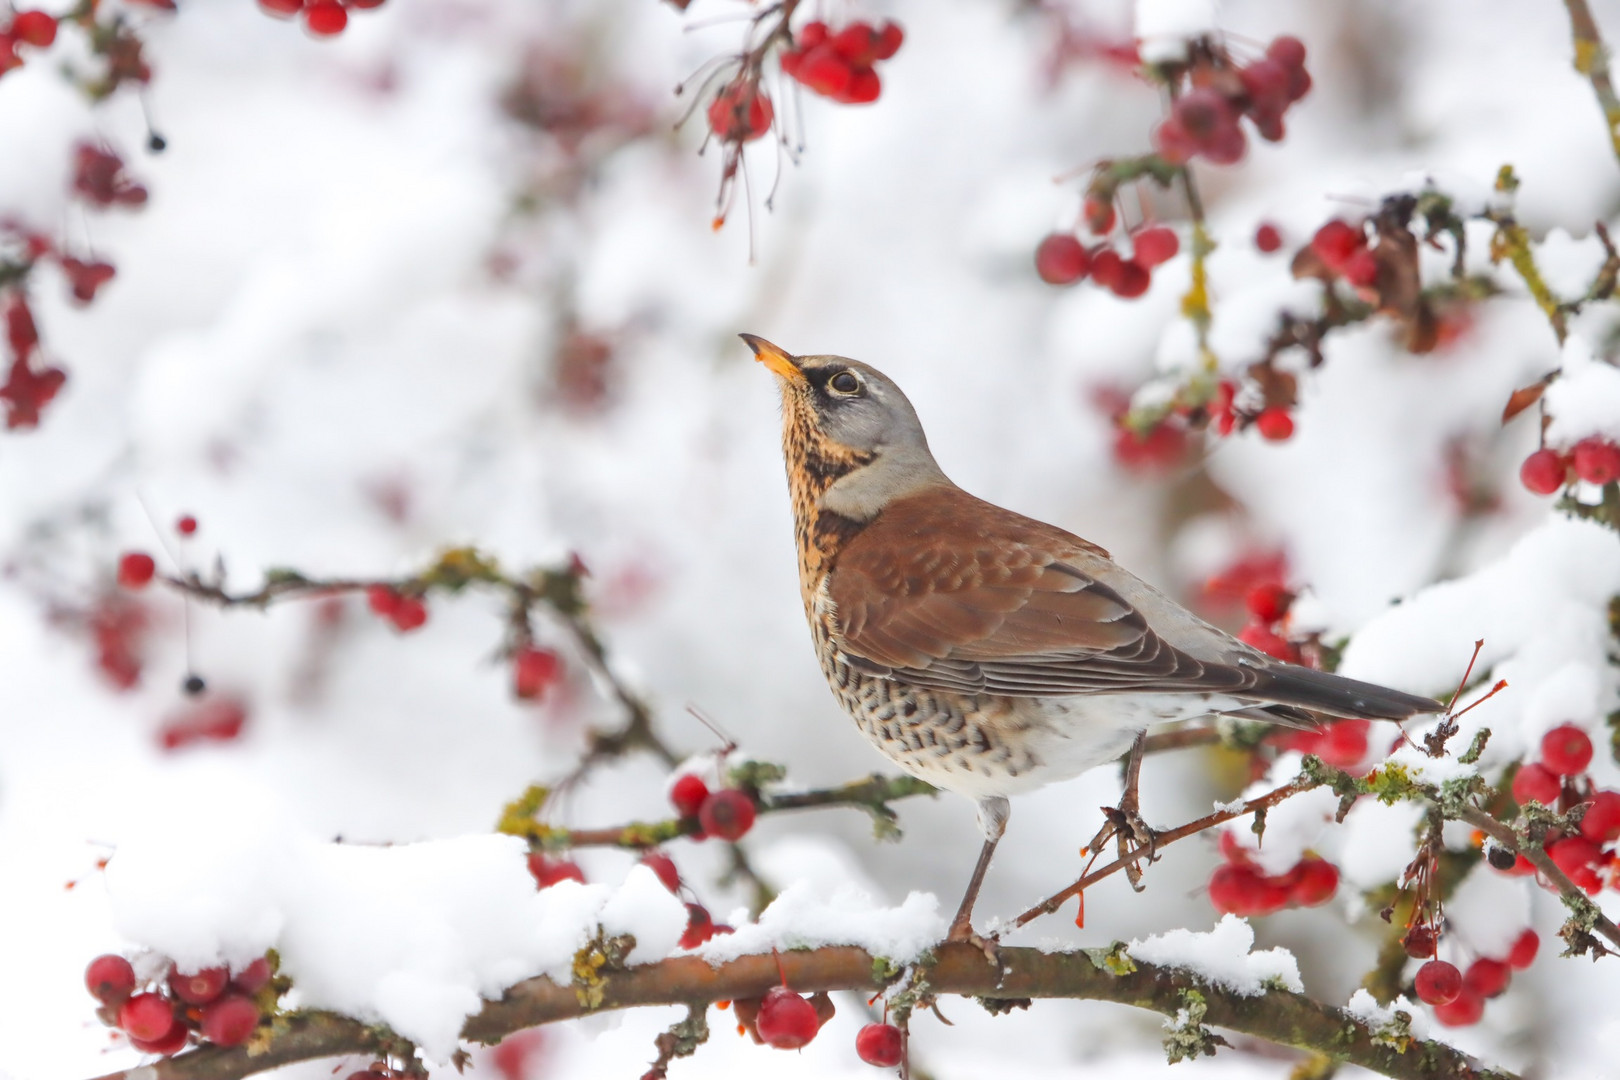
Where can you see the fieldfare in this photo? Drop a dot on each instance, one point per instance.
(983, 651)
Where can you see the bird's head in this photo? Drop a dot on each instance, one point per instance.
(851, 437)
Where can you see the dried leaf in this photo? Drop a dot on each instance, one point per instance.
(1526, 396)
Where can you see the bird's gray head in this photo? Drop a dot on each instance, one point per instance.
(854, 418)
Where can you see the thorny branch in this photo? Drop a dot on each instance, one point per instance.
(1276, 1015)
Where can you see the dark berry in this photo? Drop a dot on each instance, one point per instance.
(700, 926)
(193, 685)
(1131, 280)
(1419, 942)
(1267, 238)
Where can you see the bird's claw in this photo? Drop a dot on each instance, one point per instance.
(1136, 839)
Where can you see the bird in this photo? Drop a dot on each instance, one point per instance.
(986, 652)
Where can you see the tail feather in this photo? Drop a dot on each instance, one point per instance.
(1288, 684)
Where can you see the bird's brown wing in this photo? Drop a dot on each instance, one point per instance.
(948, 591)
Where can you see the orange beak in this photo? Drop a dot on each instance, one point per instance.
(778, 360)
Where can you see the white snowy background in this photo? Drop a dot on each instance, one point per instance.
(309, 347)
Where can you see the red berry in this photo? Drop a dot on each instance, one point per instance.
(1236, 889)
(366, 5)
(1438, 982)
(1345, 744)
(171, 1042)
(1162, 447)
(1361, 268)
(409, 613)
(1099, 215)
(1543, 471)
(864, 87)
(1566, 750)
(1060, 259)
(1155, 245)
(811, 35)
(1269, 602)
(1336, 241)
(1534, 782)
(1464, 1010)
(1267, 238)
(547, 872)
(325, 18)
(186, 526)
(740, 112)
(889, 39)
(1601, 824)
(85, 279)
(382, 600)
(1171, 141)
(687, 794)
(1596, 460)
(664, 867)
(1419, 942)
(1579, 858)
(1288, 51)
(821, 69)
(700, 927)
(1105, 266)
(146, 1016)
(1266, 82)
(135, 570)
(1315, 882)
(253, 978)
(880, 1044)
(1523, 953)
(34, 28)
(786, 1020)
(1487, 978)
(282, 8)
(230, 1021)
(21, 332)
(201, 987)
(110, 979)
(728, 814)
(534, 671)
(856, 43)
(1275, 424)
(1269, 642)
(1131, 280)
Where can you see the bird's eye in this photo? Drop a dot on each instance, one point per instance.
(845, 383)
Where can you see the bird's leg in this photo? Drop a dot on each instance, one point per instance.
(1124, 823)
(993, 814)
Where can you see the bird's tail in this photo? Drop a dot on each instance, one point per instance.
(1288, 684)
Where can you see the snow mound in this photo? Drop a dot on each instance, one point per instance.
(1223, 957)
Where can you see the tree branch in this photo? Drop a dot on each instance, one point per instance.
(1592, 61)
(1277, 1016)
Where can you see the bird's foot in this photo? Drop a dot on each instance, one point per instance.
(1136, 839)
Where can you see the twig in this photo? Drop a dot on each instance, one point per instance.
(1592, 60)
(1277, 1016)
(1272, 798)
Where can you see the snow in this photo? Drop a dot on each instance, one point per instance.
(1585, 399)
(801, 918)
(1292, 826)
(1224, 957)
(1163, 27)
(415, 936)
(1364, 1007)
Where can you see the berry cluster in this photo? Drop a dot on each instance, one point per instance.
(215, 718)
(27, 389)
(728, 813)
(1204, 121)
(35, 29)
(1594, 459)
(1459, 997)
(1268, 606)
(118, 626)
(213, 1004)
(99, 178)
(323, 18)
(1343, 251)
(1239, 887)
(741, 111)
(1061, 259)
(405, 610)
(840, 65)
(1558, 781)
